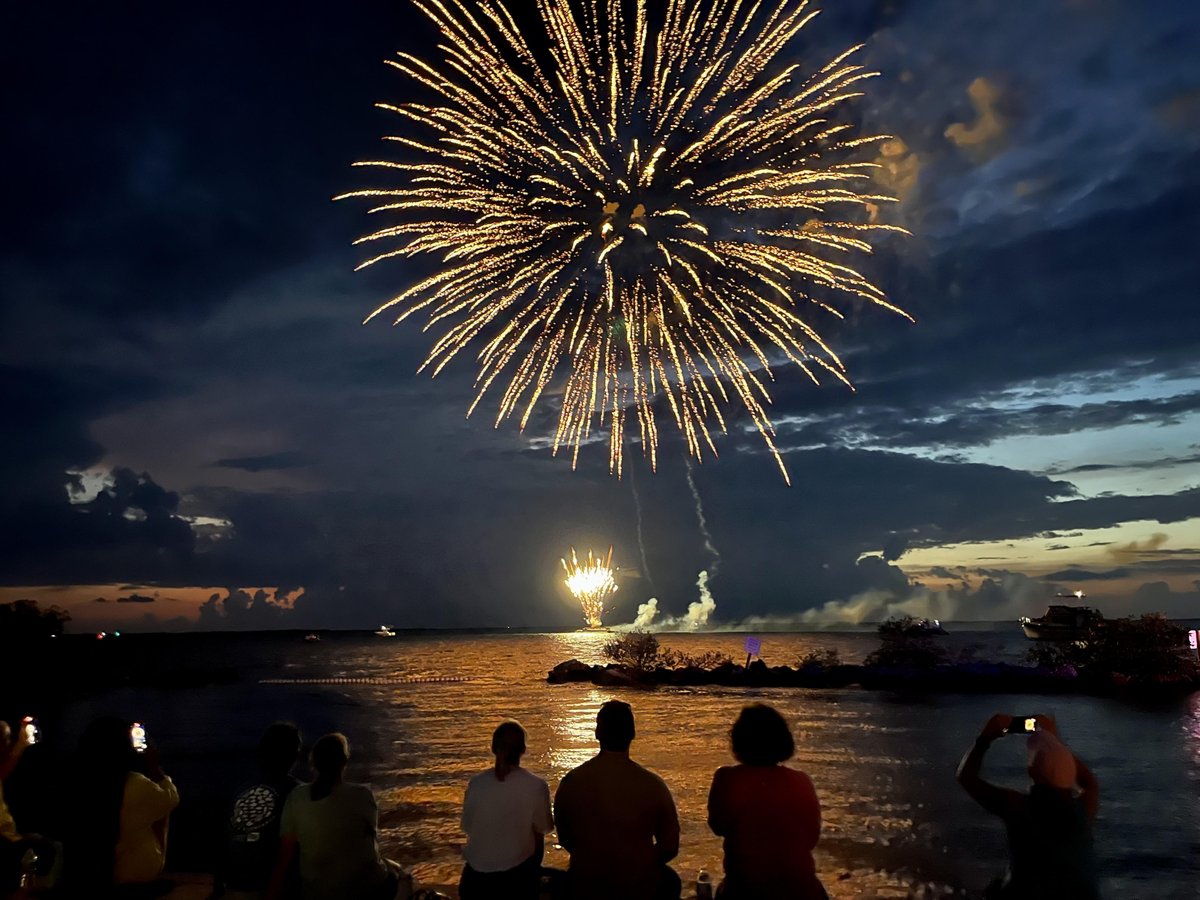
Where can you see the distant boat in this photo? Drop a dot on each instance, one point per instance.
(311, 638)
(385, 631)
(1062, 622)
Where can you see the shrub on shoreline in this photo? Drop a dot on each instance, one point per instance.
(826, 658)
(900, 647)
(1143, 648)
(641, 652)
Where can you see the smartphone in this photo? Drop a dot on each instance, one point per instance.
(32, 732)
(137, 736)
(1022, 725)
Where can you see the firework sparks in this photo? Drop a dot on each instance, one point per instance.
(643, 210)
(591, 583)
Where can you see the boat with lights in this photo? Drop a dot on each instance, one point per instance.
(1062, 621)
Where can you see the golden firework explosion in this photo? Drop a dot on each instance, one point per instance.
(653, 208)
(591, 583)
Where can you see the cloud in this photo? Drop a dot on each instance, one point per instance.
(968, 425)
(1166, 462)
(136, 598)
(239, 609)
(286, 459)
(1078, 574)
(1137, 548)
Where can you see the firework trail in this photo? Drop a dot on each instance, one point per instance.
(655, 207)
(703, 521)
(591, 583)
(637, 504)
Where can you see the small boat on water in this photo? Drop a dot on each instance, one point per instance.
(1062, 622)
(311, 638)
(924, 628)
(385, 631)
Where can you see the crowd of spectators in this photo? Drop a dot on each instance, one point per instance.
(617, 821)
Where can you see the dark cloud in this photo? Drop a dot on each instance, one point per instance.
(242, 610)
(136, 598)
(1076, 574)
(894, 547)
(1166, 462)
(130, 528)
(286, 459)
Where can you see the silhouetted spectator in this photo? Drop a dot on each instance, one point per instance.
(116, 830)
(252, 839)
(332, 827)
(1050, 828)
(768, 814)
(13, 844)
(506, 815)
(617, 820)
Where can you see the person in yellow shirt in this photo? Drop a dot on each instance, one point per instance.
(117, 832)
(148, 801)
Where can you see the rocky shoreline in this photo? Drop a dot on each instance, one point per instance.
(961, 678)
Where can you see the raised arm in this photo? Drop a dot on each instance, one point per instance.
(152, 796)
(996, 800)
(14, 755)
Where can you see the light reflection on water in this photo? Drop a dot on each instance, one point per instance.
(883, 764)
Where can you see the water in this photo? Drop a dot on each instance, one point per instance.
(895, 822)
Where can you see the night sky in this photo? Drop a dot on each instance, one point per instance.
(199, 433)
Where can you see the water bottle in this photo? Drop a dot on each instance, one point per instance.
(704, 888)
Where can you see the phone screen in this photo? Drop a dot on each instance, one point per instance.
(31, 729)
(1030, 725)
(137, 735)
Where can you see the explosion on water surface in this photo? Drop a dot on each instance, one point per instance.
(651, 201)
(592, 583)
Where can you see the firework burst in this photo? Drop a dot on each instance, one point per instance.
(625, 210)
(591, 583)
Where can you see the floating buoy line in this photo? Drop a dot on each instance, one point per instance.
(399, 679)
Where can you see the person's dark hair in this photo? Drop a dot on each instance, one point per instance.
(278, 748)
(509, 739)
(761, 737)
(614, 725)
(101, 767)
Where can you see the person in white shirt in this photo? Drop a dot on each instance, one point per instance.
(506, 815)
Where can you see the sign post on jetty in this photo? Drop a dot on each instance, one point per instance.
(753, 648)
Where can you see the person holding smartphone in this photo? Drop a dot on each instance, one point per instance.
(116, 829)
(13, 842)
(1049, 827)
